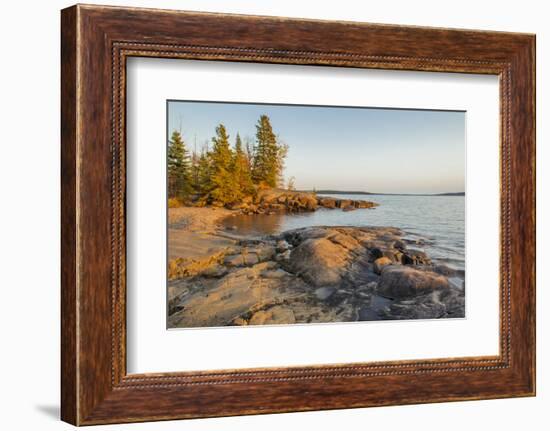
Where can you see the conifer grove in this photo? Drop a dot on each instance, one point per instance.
(222, 173)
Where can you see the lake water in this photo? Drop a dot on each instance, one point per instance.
(437, 220)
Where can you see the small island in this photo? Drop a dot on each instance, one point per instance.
(218, 276)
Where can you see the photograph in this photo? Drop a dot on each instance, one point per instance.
(296, 214)
(304, 214)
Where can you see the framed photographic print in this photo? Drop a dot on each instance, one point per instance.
(325, 214)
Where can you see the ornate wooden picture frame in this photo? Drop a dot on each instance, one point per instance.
(96, 41)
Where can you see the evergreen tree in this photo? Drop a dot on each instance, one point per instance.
(223, 184)
(269, 155)
(241, 170)
(204, 184)
(179, 168)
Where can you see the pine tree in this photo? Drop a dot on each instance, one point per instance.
(269, 155)
(241, 170)
(179, 168)
(204, 184)
(223, 184)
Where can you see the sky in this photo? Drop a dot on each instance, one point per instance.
(342, 148)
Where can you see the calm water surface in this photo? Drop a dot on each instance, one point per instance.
(438, 220)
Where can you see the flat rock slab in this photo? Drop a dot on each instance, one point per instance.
(238, 293)
(185, 244)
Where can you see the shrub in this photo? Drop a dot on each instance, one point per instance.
(174, 203)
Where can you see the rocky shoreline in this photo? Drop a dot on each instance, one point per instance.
(308, 275)
(273, 201)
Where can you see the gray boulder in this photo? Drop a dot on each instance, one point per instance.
(399, 281)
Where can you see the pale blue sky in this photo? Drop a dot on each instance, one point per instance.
(369, 149)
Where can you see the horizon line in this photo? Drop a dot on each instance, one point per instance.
(360, 192)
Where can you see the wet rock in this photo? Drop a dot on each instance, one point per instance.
(399, 281)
